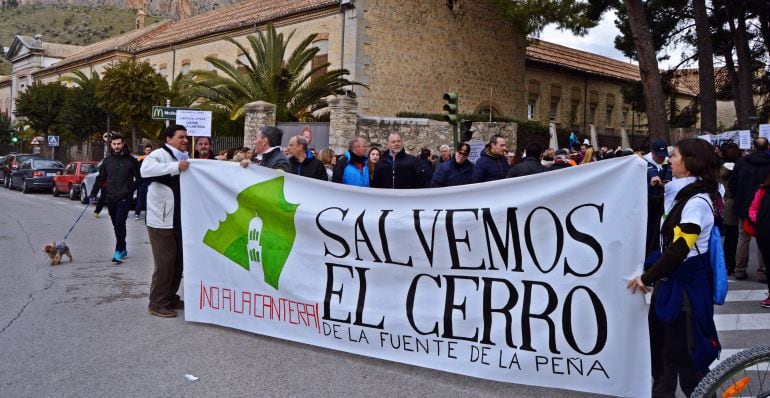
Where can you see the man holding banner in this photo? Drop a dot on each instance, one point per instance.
(161, 169)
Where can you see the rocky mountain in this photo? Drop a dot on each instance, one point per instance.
(174, 9)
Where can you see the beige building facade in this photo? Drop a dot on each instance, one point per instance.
(408, 53)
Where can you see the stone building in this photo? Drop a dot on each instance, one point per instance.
(407, 52)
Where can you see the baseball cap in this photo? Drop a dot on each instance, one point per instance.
(659, 148)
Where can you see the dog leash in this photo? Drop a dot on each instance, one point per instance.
(76, 221)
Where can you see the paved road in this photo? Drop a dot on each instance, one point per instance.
(82, 329)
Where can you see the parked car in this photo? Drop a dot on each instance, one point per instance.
(11, 163)
(70, 179)
(35, 174)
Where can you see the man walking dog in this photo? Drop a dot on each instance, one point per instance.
(121, 173)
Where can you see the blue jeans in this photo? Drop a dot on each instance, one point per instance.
(118, 211)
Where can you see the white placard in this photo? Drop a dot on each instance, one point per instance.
(705, 137)
(764, 131)
(521, 280)
(198, 123)
(744, 139)
(477, 147)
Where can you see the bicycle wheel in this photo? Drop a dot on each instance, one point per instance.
(745, 374)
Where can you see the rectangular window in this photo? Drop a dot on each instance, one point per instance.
(185, 68)
(608, 120)
(592, 114)
(319, 60)
(554, 112)
(163, 71)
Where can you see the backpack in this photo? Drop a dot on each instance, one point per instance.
(718, 266)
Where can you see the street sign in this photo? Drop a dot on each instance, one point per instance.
(53, 140)
(165, 112)
(35, 141)
(197, 123)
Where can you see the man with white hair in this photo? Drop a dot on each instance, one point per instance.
(446, 153)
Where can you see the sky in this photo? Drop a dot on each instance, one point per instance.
(600, 40)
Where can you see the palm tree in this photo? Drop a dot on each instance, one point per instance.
(297, 89)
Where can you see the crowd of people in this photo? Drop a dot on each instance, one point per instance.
(694, 190)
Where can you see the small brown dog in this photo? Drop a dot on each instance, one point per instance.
(56, 252)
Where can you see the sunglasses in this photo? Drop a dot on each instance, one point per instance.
(462, 153)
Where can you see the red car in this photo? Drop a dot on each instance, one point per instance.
(71, 177)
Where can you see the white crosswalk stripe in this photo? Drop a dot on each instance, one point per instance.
(746, 295)
(739, 331)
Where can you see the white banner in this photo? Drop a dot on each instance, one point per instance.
(519, 280)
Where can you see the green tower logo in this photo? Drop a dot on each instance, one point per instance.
(271, 235)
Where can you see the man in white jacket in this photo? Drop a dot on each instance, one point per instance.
(161, 169)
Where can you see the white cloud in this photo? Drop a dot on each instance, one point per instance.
(601, 40)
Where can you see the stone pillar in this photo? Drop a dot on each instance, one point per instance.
(594, 138)
(343, 122)
(625, 142)
(258, 114)
(554, 143)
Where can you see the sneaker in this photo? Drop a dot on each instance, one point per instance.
(137, 217)
(766, 302)
(117, 256)
(96, 215)
(162, 312)
(123, 254)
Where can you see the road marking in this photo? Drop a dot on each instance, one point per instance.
(746, 295)
(728, 322)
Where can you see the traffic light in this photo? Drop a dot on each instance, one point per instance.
(14, 137)
(450, 108)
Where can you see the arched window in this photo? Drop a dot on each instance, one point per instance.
(322, 57)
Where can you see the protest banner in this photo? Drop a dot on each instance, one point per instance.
(520, 280)
(764, 131)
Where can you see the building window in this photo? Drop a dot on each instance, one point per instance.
(163, 70)
(610, 107)
(531, 108)
(554, 112)
(322, 57)
(624, 117)
(592, 114)
(185, 66)
(485, 110)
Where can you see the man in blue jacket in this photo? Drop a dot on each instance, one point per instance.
(492, 165)
(455, 171)
(351, 168)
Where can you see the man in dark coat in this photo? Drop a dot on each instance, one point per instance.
(302, 161)
(456, 171)
(267, 150)
(492, 164)
(749, 172)
(531, 162)
(121, 172)
(658, 175)
(396, 169)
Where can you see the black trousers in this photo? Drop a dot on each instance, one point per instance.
(763, 241)
(167, 276)
(118, 211)
(731, 246)
(671, 347)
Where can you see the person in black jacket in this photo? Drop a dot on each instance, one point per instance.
(121, 171)
(302, 161)
(748, 173)
(456, 171)
(531, 163)
(492, 165)
(396, 169)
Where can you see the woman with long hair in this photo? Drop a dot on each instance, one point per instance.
(374, 157)
(683, 337)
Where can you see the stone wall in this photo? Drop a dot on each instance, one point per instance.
(425, 133)
(412, 51)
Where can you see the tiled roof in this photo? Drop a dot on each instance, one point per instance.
(244, 14)
(56, 50)
(127, 42)
(554, 54)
